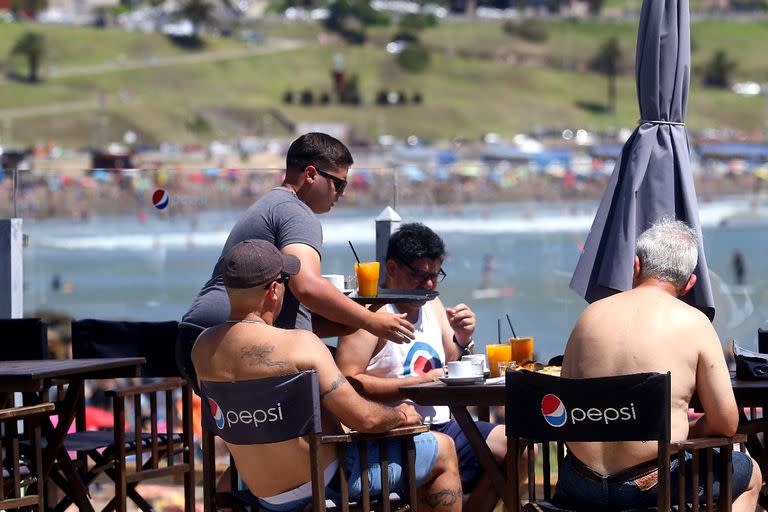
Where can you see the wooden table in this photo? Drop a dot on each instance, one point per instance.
(458, 398)
(748, 394)
(751, 394)
(37, 376)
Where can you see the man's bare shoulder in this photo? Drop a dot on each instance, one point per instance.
(596, 311)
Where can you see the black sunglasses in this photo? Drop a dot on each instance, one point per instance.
(283, 278)
(423, 277)
(339, 184)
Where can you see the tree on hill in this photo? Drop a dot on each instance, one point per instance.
(198, 12)
(350, 18)
(608, 61)
(414, 58)
(718, 70)
(31, 46)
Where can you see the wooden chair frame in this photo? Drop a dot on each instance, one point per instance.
(10, 456)
(214, 500)
(156, 453)
(666, 450)
(305, 403)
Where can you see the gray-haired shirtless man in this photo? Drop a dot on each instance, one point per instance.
(647, 329)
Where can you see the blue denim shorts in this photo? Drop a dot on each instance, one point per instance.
(469, 465)
(576, 488)
(426, 453)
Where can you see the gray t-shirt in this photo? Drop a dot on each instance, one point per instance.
(279, 217)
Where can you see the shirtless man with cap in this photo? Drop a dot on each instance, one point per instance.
(248, 346)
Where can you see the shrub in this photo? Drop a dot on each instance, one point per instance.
(413, 22)
(530, 29)
(718, 70)
(307, 98)
(288, 97)
(381, 97)
(417, 98)
(414, 58)
(325, 98)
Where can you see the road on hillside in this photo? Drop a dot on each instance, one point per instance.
(273, 46)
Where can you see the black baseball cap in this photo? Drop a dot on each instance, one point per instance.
(251, 263)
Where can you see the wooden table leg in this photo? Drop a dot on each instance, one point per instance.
(756, 430)
(483, 453)
(55, 451)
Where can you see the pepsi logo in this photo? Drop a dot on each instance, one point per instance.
(553, 410)
(160, 198)
(217, 413)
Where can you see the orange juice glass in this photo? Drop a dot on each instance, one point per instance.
(522, 349)
(367, 278)
(497, 352)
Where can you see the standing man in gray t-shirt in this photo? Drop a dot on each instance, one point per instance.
(316, 169)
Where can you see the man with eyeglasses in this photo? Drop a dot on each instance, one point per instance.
(377, 367)
(316, 170)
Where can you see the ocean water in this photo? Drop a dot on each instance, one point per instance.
(151, 268)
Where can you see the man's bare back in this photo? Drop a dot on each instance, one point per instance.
(649, 330)
(238, 351)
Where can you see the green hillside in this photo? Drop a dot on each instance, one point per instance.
(101, 82)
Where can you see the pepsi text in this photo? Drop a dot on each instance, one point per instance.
(256, 417)
(606, 415)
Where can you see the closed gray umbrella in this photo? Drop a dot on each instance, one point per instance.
(653, 178)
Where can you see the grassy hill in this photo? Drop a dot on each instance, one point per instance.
(101, 82)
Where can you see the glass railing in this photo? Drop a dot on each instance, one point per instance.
(100, 246)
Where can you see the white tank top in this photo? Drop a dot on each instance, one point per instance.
(423, 354)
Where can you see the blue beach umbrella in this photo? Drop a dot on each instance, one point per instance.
(653, 178)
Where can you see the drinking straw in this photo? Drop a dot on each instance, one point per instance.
(510, 326)
(498, 330)
(353, 250)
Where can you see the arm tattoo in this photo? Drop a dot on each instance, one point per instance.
(257, 355)
(340, 380)
(444, 498)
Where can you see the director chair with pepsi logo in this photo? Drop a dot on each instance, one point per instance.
(276, 409)
(553, 410)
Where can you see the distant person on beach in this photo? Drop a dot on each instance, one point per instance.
(315, 178)
(378, 367)
(248, 346)
(489, 265)
(739, 270)
(647, 329)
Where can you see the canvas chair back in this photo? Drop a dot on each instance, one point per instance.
(155, 341)
(622, 408)
(544, 408)
(24, 338)
(262, 411)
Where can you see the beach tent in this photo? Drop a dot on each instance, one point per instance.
(653, 177)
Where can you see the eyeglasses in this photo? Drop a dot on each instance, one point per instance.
(339, 184)
(282, 278)
(423, 277)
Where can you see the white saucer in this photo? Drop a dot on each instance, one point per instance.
(461, 380)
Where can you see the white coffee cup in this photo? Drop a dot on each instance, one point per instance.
(459, 369)
(336, 280)
(477, 358)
